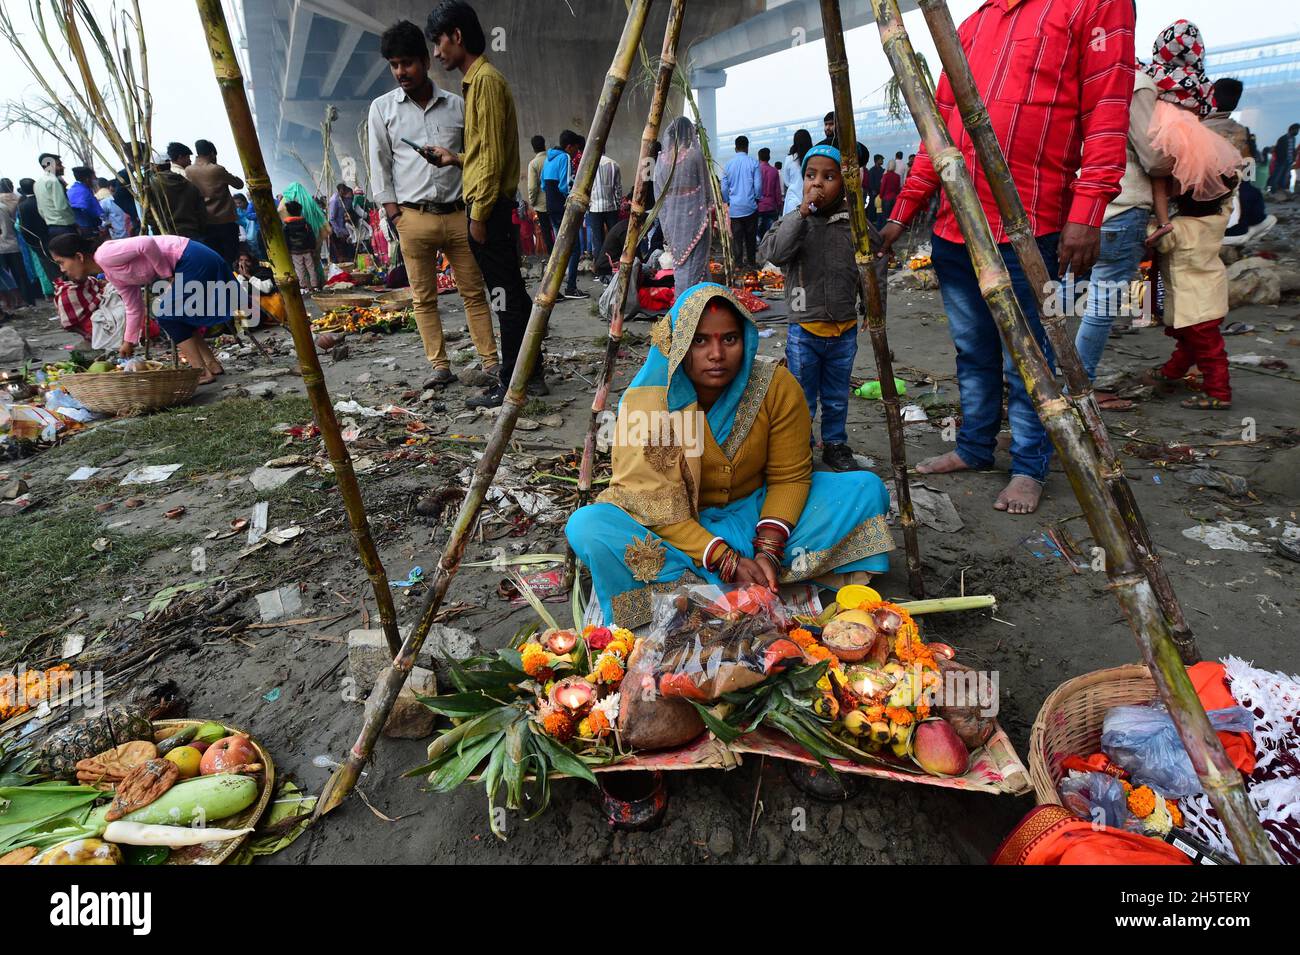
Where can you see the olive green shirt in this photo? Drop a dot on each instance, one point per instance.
(490, 163)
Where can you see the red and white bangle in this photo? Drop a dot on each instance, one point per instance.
(710, 554)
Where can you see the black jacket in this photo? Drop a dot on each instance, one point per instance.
(185, 211)
(298, 235)
(35, 231)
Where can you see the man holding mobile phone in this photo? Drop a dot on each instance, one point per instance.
(491, 164)
(422, 197)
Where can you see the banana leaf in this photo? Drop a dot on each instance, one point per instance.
(457, 770)
(561, 760)
(460, 705)
(28, 814)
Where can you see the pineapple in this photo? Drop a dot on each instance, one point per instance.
(90, 737)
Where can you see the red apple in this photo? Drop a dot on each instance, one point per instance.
(228, 754)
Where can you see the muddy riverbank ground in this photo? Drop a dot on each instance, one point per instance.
(72, 565)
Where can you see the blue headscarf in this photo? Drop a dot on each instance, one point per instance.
(828, 151)
(672, 339)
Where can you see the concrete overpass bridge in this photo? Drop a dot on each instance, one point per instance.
(302, 56)
(1270, 70)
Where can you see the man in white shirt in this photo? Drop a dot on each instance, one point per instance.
(422, 201)
(606, 194)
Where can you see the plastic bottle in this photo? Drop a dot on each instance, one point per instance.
(871, 389)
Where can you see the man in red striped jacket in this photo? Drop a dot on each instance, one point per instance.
(1057, 77)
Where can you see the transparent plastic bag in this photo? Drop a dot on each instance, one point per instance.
(1144, 740)
(706, 641)
(1096, 797)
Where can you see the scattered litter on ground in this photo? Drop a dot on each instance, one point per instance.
(1211, 478)
(268, 478)
(151, 474)
(416, 576)
(83, 473)
(279, 603)
(1227, 535)
(257, 525)
(930, 507)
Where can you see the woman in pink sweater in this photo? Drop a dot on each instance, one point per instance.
(193, 288)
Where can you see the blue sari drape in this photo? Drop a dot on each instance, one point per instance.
(841, 529)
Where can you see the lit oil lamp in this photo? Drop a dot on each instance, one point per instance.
(561, 642)
(573, 694)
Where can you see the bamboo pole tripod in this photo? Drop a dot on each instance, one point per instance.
(838, 64)
(1015, 221)
(390, 682)
(231, 82)
(636, 223)
(1079, 455)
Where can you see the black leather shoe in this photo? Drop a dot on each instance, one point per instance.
(839, 457)
(491, 398)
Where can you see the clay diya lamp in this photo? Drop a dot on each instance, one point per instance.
(573, 695)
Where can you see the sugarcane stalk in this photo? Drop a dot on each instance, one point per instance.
(386, 689)
(636, 222)
(231, 82)
(1220, 779)
(1016, 224)
(919, 608)
(846, 136)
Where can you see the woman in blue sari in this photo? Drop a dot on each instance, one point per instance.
(713, 474)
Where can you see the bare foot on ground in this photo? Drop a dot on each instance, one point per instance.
(1020, 496)
(943, 464)
(207, 378)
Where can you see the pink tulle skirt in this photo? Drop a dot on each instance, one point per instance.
(1202, 158)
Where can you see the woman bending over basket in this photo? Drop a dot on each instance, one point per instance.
(713, 473)
(131, 264)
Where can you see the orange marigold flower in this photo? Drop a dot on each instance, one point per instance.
(598, 723)
(900, 715)
(922, 710)
(558, 725)
(534, 659)
(1175, 814)
(802, 638)
(608, 669)
(875, 712)
(1142, 802)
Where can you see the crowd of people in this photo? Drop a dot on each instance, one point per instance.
(1114, 163)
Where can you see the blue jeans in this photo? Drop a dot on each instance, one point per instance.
(822, 367)
(983, 364)
(1122, 239)
(556, 219)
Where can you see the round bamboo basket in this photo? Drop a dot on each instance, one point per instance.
(396, 299)
(132, 392)
(217, 853)
(1069, 722)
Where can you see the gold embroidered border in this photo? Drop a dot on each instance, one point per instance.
(668, 507)
(751, 401)
(868, 539)
(688, 318)
(632, 608)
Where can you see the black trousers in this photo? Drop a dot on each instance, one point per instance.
(223, 239)
(498, 260)
(744, 238)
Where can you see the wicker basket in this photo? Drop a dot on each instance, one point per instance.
(133, 392)
(1069, 722)
(345, 299)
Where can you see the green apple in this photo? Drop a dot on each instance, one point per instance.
(210, 733)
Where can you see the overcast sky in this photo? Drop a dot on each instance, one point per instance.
(783, 86)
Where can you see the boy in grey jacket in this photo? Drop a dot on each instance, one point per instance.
(814, 247)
